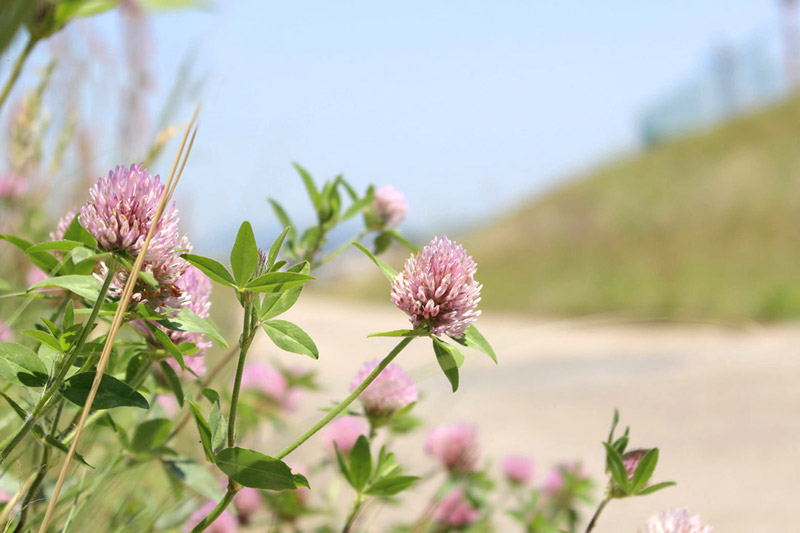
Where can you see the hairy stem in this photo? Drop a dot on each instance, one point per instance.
(333, 413)
(351, 518)
(53, 387)
(593, 521)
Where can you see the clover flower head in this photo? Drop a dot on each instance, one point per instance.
(121, 209)
(455, 511)
(195, 294)
(344, 432)
(247, 502)
(267, 380)
(5, 332)
(390, 206)
(291, 400)
(225, 523)
(556, 479)
(437, 288)
(677, 521)
(517, 469)
(391, 391)
(454, 446)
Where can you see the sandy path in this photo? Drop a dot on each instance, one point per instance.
(722, 404)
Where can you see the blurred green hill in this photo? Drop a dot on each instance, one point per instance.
(707, 227)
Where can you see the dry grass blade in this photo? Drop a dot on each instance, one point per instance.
(116, 323)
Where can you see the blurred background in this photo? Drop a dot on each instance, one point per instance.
(626, 175)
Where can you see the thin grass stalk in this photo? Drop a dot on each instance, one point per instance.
(120, 315)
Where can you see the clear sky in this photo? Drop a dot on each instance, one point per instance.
(469, 107)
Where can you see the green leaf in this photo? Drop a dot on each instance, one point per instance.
(43, 260)
(187, 320)
(276, 303)
(381, 243)
(360, 464)
(166, 343)
(173, 381)
(57, 444)
(614, 423)
(272, 280)
(75, 232)
(290, 337)
(85, 286)
(284, 220)
(194, 476)
(390, 486)
(211, 268)
(276, 247)
(388, 271)
(402, 240)
(644, 471)
(400, 333)
(616, 467)
(244, 255)
(45, 338)
(20, 365)
(216, 421)
(358, 205)
(654, 488)
(472, 338)
(256, 470)
(205, 431)
(340, 459)
(69, 316)
(111, 393)
(449, 359)
(313, 193)
(62, 246)
(151, 434)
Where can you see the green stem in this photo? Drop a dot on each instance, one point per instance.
(54, 386)
(593, 521)
(351, 518)
(17, 69)
(247, 339)
(213, 515)
(333, 413)
(248, 332)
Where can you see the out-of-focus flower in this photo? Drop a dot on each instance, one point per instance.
(194, 363)
(391, 391)
(225, 523)
(265, 379)
(12, 187)
(437, 288)
(677, 521)
(455, 511)
(121, 209)
(344, 432)
(5, 332)
(35, 275)
(4, 496)
(169, 404)
(517, 469)
(292, 399)
(390, 206)
(455, 446)
(555, 480)
(247, 502)
(632, 459)
(63, 225)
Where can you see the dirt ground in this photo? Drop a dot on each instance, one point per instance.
(721, 403)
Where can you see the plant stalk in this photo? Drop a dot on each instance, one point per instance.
(596, 516)
(17, 69)
(333, 413)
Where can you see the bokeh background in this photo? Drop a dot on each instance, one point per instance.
(626, 174)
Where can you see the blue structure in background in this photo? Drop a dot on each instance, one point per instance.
(732, 81)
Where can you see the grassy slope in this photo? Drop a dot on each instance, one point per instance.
(705, 227)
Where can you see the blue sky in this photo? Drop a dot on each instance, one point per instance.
(470, 107)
